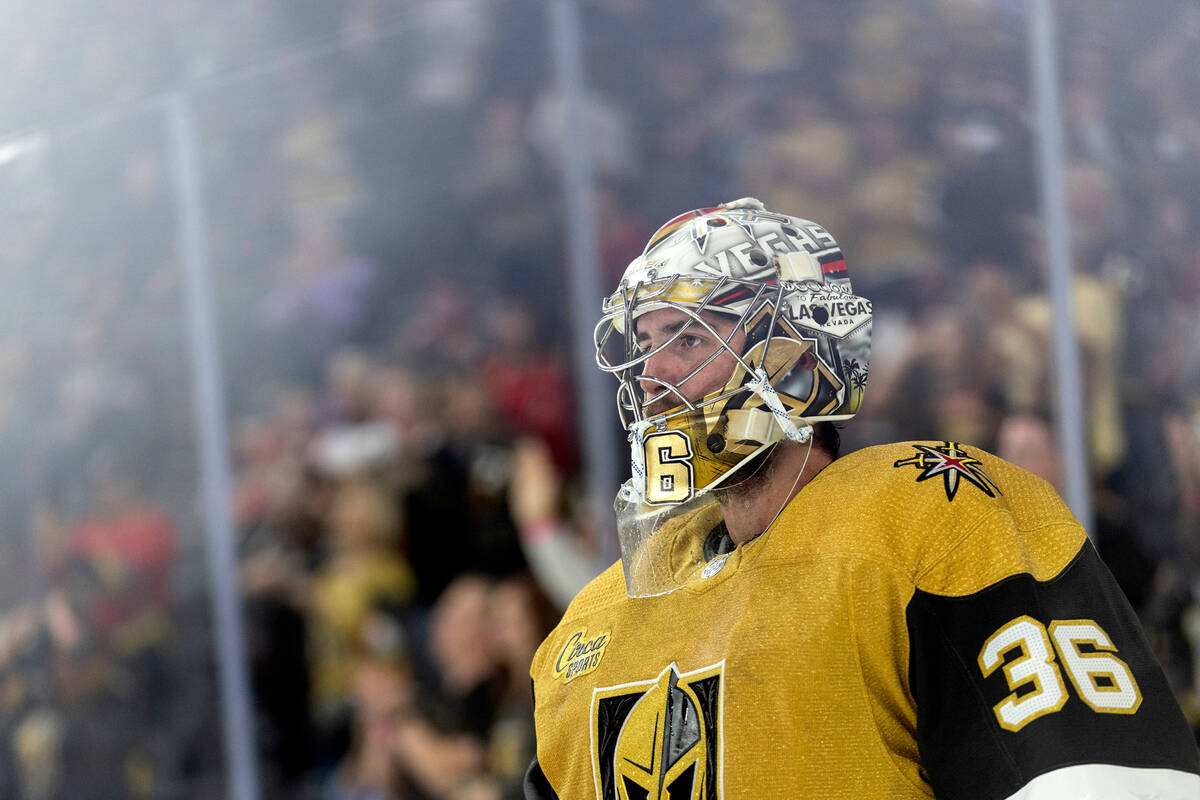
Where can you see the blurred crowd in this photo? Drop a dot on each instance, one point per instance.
(382, 183)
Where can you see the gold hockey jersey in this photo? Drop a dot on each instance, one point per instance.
(922, 620)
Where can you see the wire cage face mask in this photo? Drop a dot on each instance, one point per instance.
(765, 339)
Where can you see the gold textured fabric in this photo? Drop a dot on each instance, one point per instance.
(793, 654)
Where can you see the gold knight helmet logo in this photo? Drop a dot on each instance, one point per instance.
(659, 739)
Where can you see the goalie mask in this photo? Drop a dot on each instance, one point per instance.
(734, 330)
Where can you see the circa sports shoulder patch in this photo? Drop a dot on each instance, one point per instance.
(580, 655)
(659, 738)
(950, 461)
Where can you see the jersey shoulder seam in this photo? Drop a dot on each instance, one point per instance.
(970, 531)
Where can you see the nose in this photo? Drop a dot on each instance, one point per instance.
(660, 366)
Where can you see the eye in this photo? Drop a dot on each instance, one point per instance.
(689, 341)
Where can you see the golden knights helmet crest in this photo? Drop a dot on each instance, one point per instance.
(806, 353)
(659, 739)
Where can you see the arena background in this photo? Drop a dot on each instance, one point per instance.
(301, 445)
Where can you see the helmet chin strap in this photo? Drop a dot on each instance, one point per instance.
(763, 388)
(794, 433)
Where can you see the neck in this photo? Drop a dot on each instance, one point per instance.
(752, 505)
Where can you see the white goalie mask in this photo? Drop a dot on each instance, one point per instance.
(757, 307)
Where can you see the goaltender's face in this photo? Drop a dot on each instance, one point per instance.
(676, 362)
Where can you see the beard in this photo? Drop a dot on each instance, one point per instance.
(743, 485)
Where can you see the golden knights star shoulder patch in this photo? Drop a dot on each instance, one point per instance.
(659, 739)
(952, 463)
